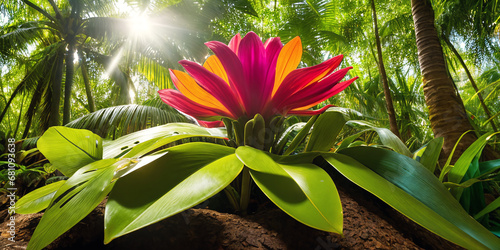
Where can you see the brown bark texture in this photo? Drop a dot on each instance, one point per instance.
(472, 82)
(446, 111)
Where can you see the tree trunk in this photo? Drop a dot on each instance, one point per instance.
(56, 90)
(70, 71)
(387, 92)
(20, 116)
(446, 111)
(86, 81)
(473, 83)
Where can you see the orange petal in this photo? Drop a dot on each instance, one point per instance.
(288, 60)
(214, 65)
(189, 88)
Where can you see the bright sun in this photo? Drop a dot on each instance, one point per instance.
(140, 25)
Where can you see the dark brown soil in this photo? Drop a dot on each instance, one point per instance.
(368, 224)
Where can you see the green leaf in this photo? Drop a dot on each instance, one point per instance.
(431, 154)
(152, 138)
(280, 144)
(415, 192)
(386, 136)
(70, 149)
(487, 166)
(488, 209)
(301, 189)
(38, 199)
(349, 140)
(299, 138)
(460, 168)
(185, 176)
(73, 201)
(325, 131)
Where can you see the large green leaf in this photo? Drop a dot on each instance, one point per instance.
(325, 131)
(39, 199)
(70, 149)
(386, 136)
(151, 138)
(431, 153)
(415, 192)
(185, 176)
(73, 201)
(301, 189)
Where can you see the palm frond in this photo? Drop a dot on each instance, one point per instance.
(19, 37)
(101, 28)
(155, 73)
(116, 121)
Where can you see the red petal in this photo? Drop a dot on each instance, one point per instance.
(310, 112)
(303, 77)
(273, 48)
(214, 85)
(253, 59)
(210, 124)
(178, 101)
(233, 67)
(318, 91)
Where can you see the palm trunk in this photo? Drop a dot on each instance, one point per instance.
(70, 70)
(88, 90)
(7, 105)
(473, 83)
(446, 111)
(387, 92)
(56, 91)
(20, 116)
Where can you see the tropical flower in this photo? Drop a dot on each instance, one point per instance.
(248, 77)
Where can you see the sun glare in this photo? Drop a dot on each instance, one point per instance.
(140, 25)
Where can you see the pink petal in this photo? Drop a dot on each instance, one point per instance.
(214, 85)
(273, 47)
(300, 78)
(318, 92)
(178, 101)
(253, 59)
(234, 69)
(234, 44)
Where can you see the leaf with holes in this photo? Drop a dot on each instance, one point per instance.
(185, 176)
(141, 142)
(69, 149)
(73, 201)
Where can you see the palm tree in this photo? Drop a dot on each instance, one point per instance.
(72, 27)
(58, 35)
(387, 92)
(446, 110)
(476, 23)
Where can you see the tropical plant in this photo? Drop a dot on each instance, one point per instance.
(446, 110)
(468, 180)
(147, 183)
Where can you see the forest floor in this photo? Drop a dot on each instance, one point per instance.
(368, 224)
